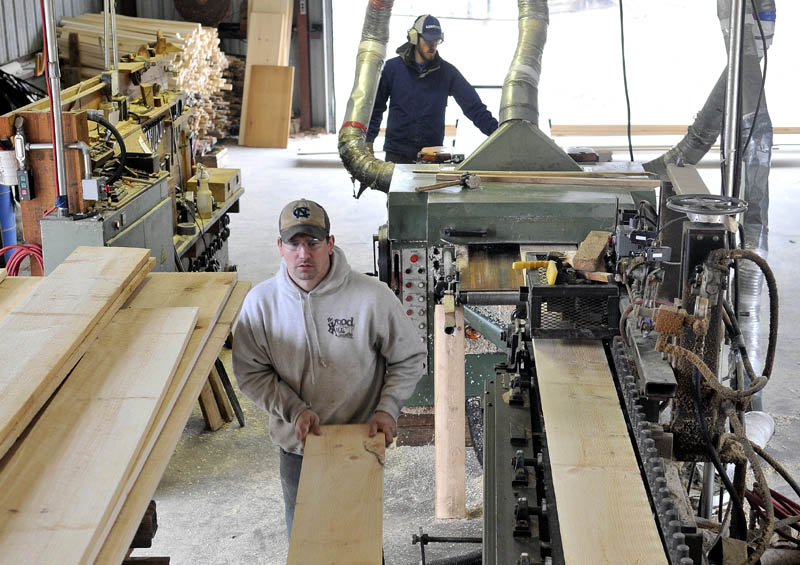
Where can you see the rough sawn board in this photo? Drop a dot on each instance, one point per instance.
(600, 496)
(338, 518)
(46, 331)
(57, 489)
(154, 464)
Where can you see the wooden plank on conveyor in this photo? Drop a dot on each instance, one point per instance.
(603, 509)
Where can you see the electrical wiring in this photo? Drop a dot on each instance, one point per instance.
(669, 223)
(199, 226)
(625, 76)
(721, 258)
(22, 251)
(787, 511)
(123, 154)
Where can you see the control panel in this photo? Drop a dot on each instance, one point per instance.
(413, 287)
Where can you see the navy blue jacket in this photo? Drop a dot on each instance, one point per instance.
(418, 101)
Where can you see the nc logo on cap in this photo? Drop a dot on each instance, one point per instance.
(302, 212)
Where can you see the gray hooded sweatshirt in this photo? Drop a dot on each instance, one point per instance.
(343, 350)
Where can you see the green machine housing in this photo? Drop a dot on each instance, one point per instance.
(432, 237)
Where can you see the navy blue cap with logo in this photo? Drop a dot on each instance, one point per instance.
(427, 27)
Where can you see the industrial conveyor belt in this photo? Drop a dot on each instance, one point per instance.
(603, 508)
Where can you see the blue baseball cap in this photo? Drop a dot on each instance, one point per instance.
(429, 28)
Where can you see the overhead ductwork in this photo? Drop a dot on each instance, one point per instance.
(520, 98)
(518, 144)
(756, 157)
(357, 159)
(701, 135)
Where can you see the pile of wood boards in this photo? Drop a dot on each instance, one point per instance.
(235, 74)
(102, 364)
(268, 81)
(196, 61)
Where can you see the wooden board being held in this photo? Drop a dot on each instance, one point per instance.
(338, 518)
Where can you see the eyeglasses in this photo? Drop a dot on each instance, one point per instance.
(311, 244)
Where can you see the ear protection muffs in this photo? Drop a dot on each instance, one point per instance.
(413, 33)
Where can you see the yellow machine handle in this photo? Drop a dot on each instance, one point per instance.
(552, 269)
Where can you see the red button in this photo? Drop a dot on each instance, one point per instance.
(408, 299)
(408, 285)
(409, 312)
(414, 258)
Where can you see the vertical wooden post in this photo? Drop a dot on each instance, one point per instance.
(449, 414)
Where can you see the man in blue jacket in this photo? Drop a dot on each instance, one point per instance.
(419, 82)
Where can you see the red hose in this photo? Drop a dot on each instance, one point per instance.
(22, 251)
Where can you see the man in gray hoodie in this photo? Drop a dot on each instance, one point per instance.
(322, 344)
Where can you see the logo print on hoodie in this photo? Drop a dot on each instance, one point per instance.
(341, 327)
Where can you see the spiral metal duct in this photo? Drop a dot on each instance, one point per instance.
(520, 98)
(357, 159)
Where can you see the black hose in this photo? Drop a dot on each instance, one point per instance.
(713, 455)
(735, 334)
(123, 155)
(778, 468)
(772, 287)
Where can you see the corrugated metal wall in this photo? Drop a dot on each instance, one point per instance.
(21, 24)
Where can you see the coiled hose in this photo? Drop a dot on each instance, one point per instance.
(97, 117)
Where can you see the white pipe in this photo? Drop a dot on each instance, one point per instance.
(105, 35)
(54, 76)
(114, 46)
(81, 146)
(732, 101)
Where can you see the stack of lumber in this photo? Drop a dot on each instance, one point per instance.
(102, 365)
(235, 74)
(197, 62)
(268, 81)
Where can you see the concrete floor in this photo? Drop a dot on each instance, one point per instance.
(219, 501)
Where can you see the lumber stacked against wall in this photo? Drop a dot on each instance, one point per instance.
(235, 75)
(266, 115)
(196, 60)
(76, 483)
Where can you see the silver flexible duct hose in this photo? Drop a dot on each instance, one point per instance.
(357, 159)
(701, 134)
(708, 123)
(520, 98)
(748, 313)
(756, 158)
